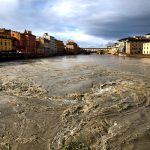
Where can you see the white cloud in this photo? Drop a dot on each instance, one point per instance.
(83, 39)
(63, 8)
(67, 8)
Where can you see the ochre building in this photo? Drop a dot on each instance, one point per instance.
(5, 40)
(72, 48)
(16, 40)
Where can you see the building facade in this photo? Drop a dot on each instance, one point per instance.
(132, 45)
(146, 48)
(49, 44)
(60, 47)
(45, 46)
(27, 42)
(53, 46)
(122, 46)
(16, 35)
(5, 40)
(15, 44)
(113, 49)
(30, 42)
(72, 47)
(17, 41)
(39, 47)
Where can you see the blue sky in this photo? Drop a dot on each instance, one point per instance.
(91, 23)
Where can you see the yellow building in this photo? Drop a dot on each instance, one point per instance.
(72, 47)
(146, 48)
(5, 40)
(113, 49)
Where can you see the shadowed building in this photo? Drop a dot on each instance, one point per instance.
(52, 43)
(15, 44)
(43, 46)
(39, 47)
(60, 47)
(47, 45)
(30, 42)
(5, 40)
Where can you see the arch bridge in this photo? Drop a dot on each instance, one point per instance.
(96, 50)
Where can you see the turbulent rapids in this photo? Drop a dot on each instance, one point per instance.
(84, 102)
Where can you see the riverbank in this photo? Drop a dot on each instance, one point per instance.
(138, 56)
(132, 55)
(100, 103)
(5, 57)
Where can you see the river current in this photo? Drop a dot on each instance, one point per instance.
(99, 101)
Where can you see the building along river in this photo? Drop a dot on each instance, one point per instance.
(100, 101)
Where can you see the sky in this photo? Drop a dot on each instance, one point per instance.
(90, 23)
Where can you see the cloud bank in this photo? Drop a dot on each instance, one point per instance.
(90, 23)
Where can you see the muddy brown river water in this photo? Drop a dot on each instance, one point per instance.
(98, 101)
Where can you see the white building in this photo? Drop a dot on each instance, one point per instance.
(146, 48)
(121, 46)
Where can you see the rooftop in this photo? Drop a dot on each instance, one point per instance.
(135, 38)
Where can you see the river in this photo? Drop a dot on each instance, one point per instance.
(127, 64)
(101, 101)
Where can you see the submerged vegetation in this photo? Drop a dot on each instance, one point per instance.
(76, 146)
